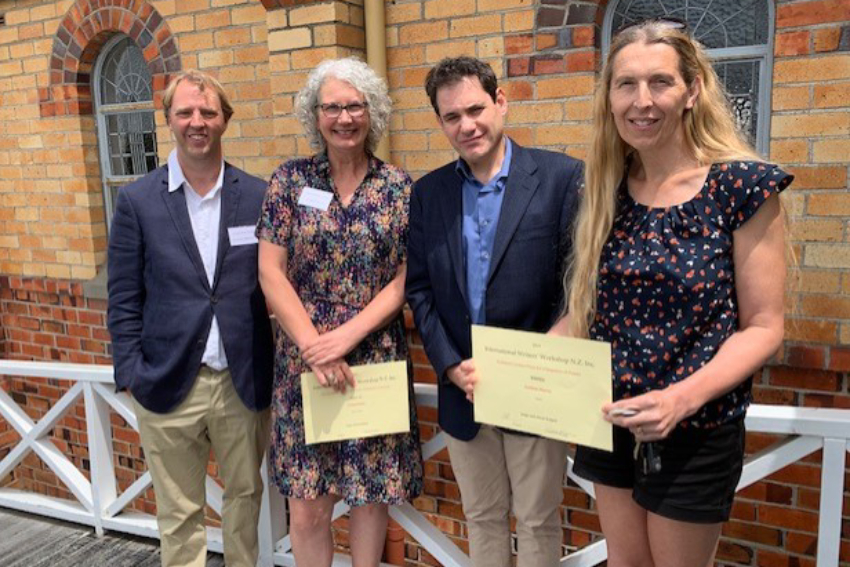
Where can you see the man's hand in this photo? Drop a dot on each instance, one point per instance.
(464, 376)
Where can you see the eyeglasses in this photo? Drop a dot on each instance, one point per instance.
(334, 110)
(663, 21)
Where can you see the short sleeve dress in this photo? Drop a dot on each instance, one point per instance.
(666, 291)
(338, 260)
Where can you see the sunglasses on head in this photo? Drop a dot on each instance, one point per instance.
(663, 21)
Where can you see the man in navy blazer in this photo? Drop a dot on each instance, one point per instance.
(191, 336)
(488, 238)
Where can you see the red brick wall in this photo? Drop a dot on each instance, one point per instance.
(52, 320)
(46, 319)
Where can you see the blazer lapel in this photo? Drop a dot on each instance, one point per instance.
(175, 201)
(229, 205)
(452, 205)
(519, 190)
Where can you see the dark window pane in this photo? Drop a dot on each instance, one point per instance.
(741, 79)
(132, 142)
(715, 23)
(125, 76)
(113, 190)
(127, 140)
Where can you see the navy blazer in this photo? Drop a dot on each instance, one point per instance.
(524, 287)
(161, 304)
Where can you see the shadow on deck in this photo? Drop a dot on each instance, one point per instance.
(31, 541)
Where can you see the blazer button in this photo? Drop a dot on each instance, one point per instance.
(214, 299)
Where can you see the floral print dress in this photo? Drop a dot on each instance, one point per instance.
(338, 260)
(666, 293)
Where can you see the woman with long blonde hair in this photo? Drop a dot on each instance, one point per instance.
(679, 224)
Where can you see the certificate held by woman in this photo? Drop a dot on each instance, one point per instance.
(377, 405)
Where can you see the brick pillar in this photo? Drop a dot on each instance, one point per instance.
(809, 135)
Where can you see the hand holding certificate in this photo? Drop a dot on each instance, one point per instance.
(542, 384)
(378, 405)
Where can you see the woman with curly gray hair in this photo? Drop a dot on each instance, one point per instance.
(332, 257)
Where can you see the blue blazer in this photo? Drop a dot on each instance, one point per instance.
(161, 305)
(524, 287)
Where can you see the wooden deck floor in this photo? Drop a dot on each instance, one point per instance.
(32, 541)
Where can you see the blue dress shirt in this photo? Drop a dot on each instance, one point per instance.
(482, 204)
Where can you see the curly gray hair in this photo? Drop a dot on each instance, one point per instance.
(360, 76)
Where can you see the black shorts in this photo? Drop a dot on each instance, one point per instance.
(700, 469)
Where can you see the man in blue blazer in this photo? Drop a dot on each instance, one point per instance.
(488, 238)
(191, 336)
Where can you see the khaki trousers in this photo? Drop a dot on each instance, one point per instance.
(496, 469)
(177, 450)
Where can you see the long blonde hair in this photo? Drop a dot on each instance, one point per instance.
(710, 133)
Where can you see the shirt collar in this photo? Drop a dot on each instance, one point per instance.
(176, 178)
(462, 168)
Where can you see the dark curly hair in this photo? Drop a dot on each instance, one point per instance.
(452, 69)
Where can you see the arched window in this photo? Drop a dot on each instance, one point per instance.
(738, 35)
(125, 117)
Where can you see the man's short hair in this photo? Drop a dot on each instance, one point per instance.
(202, 81)
(452, 70)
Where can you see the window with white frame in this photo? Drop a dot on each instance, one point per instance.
(738, 36)
(126, 129)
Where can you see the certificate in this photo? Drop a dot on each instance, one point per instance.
(550, 386)
(378, 405)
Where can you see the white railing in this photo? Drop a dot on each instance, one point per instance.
(99, 505)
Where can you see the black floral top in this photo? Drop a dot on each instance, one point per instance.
(666, 294)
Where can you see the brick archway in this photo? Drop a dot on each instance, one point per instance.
(84, 30)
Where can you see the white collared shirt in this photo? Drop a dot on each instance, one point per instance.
(205, 216)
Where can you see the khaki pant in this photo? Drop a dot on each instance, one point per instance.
(497, 469)
(177, 450)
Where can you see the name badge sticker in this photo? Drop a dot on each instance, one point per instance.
(315, 198)
(242, 235)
